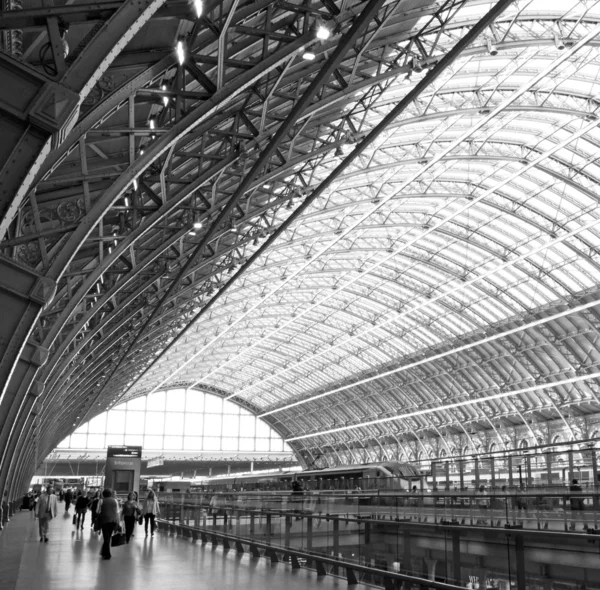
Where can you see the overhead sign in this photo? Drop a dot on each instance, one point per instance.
(156, 462)
(124, 451)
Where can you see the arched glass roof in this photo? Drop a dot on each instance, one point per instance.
(352, 277)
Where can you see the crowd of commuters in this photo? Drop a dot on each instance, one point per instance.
(108, 515)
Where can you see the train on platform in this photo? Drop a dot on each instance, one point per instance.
(385, 476)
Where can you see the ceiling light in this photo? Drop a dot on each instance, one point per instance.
(180, 52)
(197, 224)
(560, 44)
(151, 123)
(126, 201)
(309, 55)
(141, 152)
(492, 49)
(165, 98)
(135, 184)
(198, 6)
(323, 32)
(192, 232)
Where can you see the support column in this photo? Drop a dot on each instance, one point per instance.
(447, 469)
(493, 472)
(571, 468)
(461, 473)
(509, 461)
(434, 475)
(455, 558)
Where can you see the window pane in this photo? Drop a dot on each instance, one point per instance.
(134, 440)
(96, 441)
(246, 444)
(230, 444)
(155, 423)
(192, 443)
(231, 425)
(193, 424)
(135, 423)
(65, 443)
(229, 408)
(194, 401)
(98, 424)
(176, 400)
(156, 401)
(276, 445)
(213, 404)
(262, 429)
(174, 443)
(212, 425)
(114, 439)
(139, 403)
(153, 442)
(78, 441)
(115, 422)
(173, 423)
(262, 444)
(247, 425)
(212, 443)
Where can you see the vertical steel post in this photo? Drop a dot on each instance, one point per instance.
(520, 552)
(493, 472)
(447, 468)
(511, 482)
(455, 558)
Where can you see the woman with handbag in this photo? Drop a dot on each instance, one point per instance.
(108, 519)
(151, 510)
(131, 512)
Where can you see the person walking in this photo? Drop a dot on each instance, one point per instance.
(81, 507)
(131, 512)
(109, 520)
(46, 509)
(150, 510)
(68, 499)
(95, 508)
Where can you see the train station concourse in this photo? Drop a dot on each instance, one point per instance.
(323, 275)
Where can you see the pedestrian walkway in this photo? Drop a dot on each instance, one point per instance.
(71, 559)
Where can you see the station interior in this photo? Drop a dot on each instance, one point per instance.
(324, 275)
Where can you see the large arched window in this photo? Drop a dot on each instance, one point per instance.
(178, 420)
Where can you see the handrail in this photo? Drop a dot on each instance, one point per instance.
(312, 556)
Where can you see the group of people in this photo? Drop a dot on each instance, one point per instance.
(107, 513)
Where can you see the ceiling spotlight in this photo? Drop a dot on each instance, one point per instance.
(151, 123)
(198, 6)
(192, 232)
(492, 49)
(165, 98)
(309, 55)
(135, 184)
(323, 32)
(197, 224)
(141, 152)
(417, 65)
(560, 44)
(180, 52)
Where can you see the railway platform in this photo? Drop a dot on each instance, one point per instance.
(71, 559)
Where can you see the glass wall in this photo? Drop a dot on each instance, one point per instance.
(178, 420)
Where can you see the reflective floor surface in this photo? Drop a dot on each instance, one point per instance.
(71, 560)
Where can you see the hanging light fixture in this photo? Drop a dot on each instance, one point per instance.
(180, 51)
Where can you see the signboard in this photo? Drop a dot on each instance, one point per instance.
(156, 462)
(123, 469)
(124, 451)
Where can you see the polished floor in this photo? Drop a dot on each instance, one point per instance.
(71, 560)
